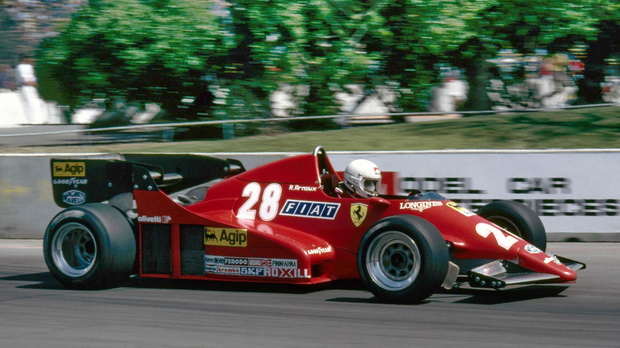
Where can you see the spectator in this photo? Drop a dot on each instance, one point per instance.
(34, 106)
(25, 73)
(451, 95)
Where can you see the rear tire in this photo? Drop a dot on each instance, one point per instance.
(90, 246)
(518, 219)
(403, 259)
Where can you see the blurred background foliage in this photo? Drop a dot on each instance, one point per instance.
(229, 57)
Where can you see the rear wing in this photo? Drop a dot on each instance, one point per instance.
(78, 181)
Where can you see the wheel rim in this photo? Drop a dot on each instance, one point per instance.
(393, 261)
(506, 224)
(74, 250)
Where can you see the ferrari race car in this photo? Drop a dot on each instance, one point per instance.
(154, 216)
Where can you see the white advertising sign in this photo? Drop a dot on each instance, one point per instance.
(572, 191)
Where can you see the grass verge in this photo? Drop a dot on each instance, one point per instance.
(563, 129)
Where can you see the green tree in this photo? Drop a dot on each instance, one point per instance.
(313, 44)
(139, 51)
(417, 37)
(605, 45)
(163, 50)
(523, 26)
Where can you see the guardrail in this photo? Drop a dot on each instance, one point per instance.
(347, 119)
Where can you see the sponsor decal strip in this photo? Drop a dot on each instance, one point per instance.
(253, 266)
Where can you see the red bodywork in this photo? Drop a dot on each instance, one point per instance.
(276, 223)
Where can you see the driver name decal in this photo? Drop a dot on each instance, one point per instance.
(302, 188)
(310, 209)
(230, 237)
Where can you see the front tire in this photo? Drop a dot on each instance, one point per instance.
(91, 246)
(518, 219)
(403, 259)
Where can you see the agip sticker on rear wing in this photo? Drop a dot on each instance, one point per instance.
(68, 169)
(76, 182)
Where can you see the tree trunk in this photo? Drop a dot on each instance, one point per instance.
(599, 50)
(477, 74)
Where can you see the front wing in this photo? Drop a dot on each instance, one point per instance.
(501, 273)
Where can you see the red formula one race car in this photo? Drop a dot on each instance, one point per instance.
(290, 221)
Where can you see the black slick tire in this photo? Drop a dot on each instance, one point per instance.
(403, 259)
(90, 246)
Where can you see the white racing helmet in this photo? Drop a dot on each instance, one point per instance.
(363, 178)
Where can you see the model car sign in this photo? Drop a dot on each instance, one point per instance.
(284, 222)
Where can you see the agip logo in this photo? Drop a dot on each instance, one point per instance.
(69, 169)
(230, 237)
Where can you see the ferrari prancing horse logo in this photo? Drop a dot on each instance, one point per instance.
(358, 213)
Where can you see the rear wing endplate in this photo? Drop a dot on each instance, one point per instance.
(79, 181)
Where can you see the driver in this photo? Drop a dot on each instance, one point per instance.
(362, 178)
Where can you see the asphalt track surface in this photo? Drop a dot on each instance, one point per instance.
(36, 311)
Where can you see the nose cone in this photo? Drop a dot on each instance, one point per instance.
(567, 274)
(535, 259)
